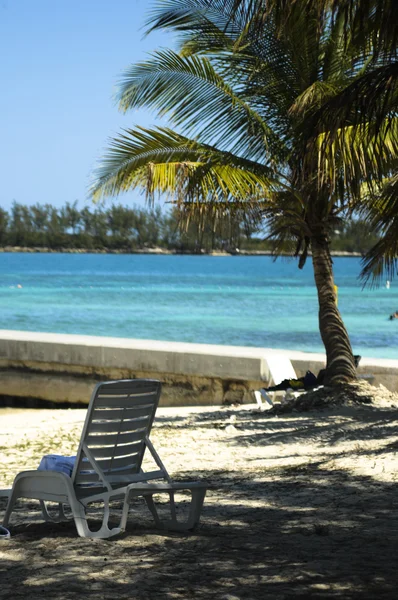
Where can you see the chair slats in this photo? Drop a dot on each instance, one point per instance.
(118, 471)
(115, 426)
(137, 396)
(122, 400)
(90, 479)
(118, 426)
(120, 462)
(125, 387)
(112, 414)
(108, 452)
(114, 464)
(111, 439)
(108, 468)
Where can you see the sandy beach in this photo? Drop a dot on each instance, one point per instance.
(300, 505)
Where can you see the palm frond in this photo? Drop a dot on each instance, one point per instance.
(192, 93)
(163, 161)
(375, 20)
(358, 154)
(214, 214)
(368, 98)
(365, 18)
(284, 219)
(206, 23)
(230, 38)
(196, 15)
(383, 257)
(313, 97)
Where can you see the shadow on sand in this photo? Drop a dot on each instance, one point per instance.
(299, 531)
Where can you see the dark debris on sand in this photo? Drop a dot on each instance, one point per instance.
(355, 393)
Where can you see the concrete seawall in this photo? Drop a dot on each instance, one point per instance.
(64, 368)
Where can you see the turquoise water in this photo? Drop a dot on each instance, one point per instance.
(244, 301)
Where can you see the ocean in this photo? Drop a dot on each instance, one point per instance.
(229, 300)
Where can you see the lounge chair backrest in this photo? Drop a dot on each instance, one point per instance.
(118, 422)
(279, 368)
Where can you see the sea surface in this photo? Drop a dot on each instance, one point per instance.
(229, 300)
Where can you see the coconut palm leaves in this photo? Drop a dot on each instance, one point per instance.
(348, 154)
(364, 19)
(190, 92)
(162, 160)
(280, 84)
(382, 210)
(289, 106)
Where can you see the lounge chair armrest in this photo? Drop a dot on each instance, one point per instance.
(43, 485)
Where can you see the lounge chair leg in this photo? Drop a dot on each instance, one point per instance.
(126, 508)
(80, 517)
(125, 514)
(10, 506)
(173, 508)
(151, 505)
(195, 510)
(58, 518)
(260, 396)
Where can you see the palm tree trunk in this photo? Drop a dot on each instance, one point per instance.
(340, 367)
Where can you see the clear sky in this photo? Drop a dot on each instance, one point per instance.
(60, 61)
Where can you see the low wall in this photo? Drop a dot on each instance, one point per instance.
(64, 368)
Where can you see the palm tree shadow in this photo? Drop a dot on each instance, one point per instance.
(309, 533)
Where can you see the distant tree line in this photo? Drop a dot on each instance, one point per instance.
(117, 227)
(123, 228)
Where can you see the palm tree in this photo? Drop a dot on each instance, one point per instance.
(251, 94)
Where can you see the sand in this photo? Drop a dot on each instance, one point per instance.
(300, 505)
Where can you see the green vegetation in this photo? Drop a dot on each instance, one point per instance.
(283, 110)
(126, 229)
(117, 228)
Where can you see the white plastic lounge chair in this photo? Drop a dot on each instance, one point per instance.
(108, 464)
(279, 368)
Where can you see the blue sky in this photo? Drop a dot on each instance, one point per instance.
(59, 66)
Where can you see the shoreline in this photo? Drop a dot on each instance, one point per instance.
(155, 251)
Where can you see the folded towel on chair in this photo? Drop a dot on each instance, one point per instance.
(55, 462)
